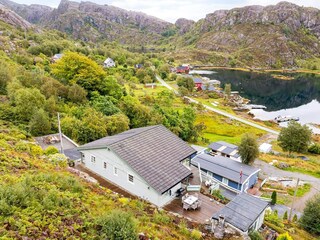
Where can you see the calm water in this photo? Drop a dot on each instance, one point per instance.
(299, 97)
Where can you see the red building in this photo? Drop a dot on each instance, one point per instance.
(183, 69)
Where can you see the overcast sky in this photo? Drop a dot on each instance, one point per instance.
(171, 10)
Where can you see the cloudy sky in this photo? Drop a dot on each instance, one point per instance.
(171, 10)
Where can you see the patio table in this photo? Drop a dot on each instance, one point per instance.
(190, 200)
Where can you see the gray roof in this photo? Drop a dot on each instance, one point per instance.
(242, 211)
(229, 148)
(206, 87)
(153, 152)
(197, 80)
(224, 167)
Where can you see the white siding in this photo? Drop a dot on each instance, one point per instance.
(139, 187)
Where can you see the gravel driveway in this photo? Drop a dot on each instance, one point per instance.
(270, 171)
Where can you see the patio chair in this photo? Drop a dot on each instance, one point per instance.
(185, 206)
(194, 206)
(196, 195)
(199, 203)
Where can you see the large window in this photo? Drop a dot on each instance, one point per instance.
(104, 165)
(130, 178)
(225, 181)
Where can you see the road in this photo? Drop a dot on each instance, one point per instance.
(270, 171)
(220, 111)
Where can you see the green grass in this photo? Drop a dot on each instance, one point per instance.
(302, 190)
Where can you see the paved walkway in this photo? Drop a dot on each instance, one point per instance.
(270, 171)
(220, 111)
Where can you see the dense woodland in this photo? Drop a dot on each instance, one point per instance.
(93, 101)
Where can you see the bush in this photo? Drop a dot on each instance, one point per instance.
(295, 218)
(314, 148)
(196, 234)
(284, 236)
(274, 219)
(117, 225)
(285, 215)
(310, 219)
(254, 235)
(274, 198)
(51, 150)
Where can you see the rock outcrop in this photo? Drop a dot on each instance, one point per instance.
(13, 19)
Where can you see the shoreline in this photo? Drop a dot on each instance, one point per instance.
(263, 70)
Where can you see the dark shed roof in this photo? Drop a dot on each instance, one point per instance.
(153, 152)
(229, 148)
(242, 211)
(224, 167)
(197, 80)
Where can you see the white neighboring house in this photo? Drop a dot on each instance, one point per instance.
(109, 63)
(146, 162)
(56, 57)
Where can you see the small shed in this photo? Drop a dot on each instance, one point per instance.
(226, 150)
(265, 148)
(244, 213)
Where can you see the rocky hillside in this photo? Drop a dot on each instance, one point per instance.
(277, 35)
(13, 19)
(281, 35)
(92, 22)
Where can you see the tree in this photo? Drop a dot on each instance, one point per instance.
(295, 137)
(285, 215)
(117, 123)
(254, 235)
(248, 149)
(27, 102)
(273, 198)
(227, 89)
(186, 82)
(284, 236)
(310, 219)
(5, 76)
(75, 68)
(104, 104)
(77, 94)
(117, 225)
(40, 123)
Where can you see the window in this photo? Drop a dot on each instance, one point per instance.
(225, 181)
(170, 192)
(83, 158)
(93, 159)
(104, 165)
(115, 171)
(130, 178)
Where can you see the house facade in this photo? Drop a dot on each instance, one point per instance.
(231, 174)
(108, 63)
(225, 149)
(146, 162)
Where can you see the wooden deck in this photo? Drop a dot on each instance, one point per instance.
(103, 182)
(207, 209)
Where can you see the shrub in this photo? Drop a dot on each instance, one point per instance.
(274, 219)
(274, 198)
(254, 235)
(284, 236)
(196, 234)
(314, 148)
(117, 225)
(285, 215)
(161, 218)
(310, 219)
(51, 150)
(295, 218)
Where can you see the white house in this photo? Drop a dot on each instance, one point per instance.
(109, 63)
(265, 148)
(56, 57)
(146, 162)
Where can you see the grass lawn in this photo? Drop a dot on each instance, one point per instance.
(222, 128)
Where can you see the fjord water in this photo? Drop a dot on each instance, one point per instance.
(299, 97)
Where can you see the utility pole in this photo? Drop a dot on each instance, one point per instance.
(294, 198)
(60, 135)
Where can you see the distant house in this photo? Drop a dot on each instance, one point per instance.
(230, 174)
(244, 213)
(109, 63)
(148, 162)
(138, 66)
(56, 57)
(208, 87)
(197, 82)
(69, 147)
(183, 69)
(226, 150)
